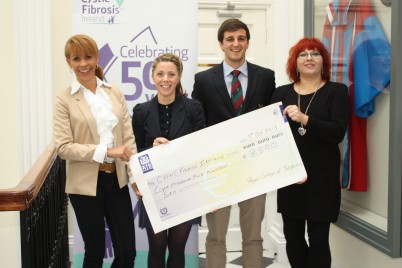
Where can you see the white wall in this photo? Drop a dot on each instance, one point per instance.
(347, 250)
(9, 221)
(8, 75)
(61, 31)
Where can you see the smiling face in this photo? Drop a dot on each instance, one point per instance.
(309, 63)
(166, 78)
(84, 66)
(235, 45)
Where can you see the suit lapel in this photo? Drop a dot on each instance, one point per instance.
(219, 82)
(178, 115)
(87, 113)
(252, 85)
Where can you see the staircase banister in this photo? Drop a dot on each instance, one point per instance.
(21, 196)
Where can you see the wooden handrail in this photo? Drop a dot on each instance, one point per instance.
(21, 196)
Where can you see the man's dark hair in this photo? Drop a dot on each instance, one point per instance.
(232, 25)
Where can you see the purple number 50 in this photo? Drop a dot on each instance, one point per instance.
(125, 78)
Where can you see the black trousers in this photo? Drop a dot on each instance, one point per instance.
(114, 205)
(314, 254)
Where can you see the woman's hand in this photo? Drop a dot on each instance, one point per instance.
(122, 152)
(295, 114)
(136, 190)
(159, 141)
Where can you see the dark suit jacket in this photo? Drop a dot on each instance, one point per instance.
(210, 89)
(187, 117)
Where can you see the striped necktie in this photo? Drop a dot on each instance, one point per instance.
(236, 92)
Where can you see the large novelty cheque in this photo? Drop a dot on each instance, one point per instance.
(218, 166)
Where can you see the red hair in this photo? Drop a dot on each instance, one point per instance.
(302, 45)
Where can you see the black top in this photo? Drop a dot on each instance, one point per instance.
(151, 120)
(318, 199)
(186, 116)
(165, 118)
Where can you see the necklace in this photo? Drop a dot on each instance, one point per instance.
(302, 131)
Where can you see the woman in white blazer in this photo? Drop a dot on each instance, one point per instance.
(93, 132)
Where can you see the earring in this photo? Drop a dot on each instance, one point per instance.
(322, 70)
(297, 73)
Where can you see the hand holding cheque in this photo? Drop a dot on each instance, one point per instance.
(218, 166)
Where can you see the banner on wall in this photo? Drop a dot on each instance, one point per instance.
(129, 35)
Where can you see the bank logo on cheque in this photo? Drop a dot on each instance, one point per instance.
(145, 163)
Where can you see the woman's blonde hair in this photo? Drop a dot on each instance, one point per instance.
(83, 44)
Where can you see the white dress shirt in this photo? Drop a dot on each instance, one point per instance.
(101, 108)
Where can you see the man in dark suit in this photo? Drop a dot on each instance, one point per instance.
(214, 88)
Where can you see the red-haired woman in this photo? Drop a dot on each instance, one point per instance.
(318, 114)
